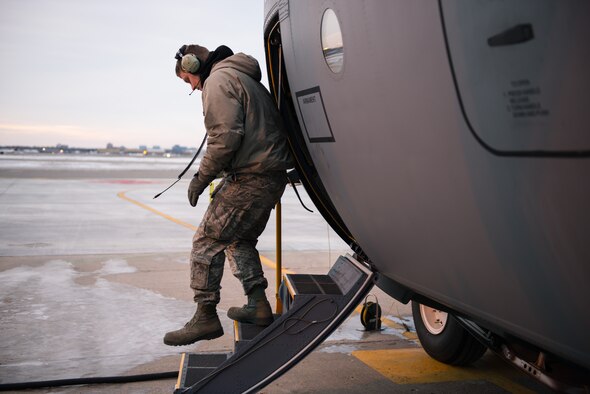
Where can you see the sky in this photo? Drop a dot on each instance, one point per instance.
(87, 73)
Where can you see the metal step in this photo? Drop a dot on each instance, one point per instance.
(318, 305)
(196, 366)
(244, 333)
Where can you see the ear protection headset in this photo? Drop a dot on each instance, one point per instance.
(371, 314)
(189, 63)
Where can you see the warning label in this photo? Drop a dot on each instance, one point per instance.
(523, 100)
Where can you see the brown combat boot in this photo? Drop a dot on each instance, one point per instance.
(257, 311)
(205, 324)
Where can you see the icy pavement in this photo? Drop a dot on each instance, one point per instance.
(51, 329)
(62, 317)
(92, 162)
(92, 216)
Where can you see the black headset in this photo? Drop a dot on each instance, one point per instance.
(189, 63)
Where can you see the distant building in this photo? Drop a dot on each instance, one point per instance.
(157, 149)
(110, 146)
(179, 150)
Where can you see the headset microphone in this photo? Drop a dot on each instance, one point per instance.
(192, 91)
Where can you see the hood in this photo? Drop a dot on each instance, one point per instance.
(241, 62)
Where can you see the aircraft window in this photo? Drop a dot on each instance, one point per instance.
(332, 41)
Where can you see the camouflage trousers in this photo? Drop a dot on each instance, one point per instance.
(234, 220)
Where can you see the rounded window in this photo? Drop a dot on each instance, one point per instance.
(332, 41)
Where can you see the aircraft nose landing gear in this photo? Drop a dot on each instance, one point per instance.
(443, 337)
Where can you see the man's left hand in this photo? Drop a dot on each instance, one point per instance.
(194, 190)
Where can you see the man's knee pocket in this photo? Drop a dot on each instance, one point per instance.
(199, 275)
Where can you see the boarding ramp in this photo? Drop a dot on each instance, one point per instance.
(315, 305)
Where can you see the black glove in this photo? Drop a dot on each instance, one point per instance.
(195, 188)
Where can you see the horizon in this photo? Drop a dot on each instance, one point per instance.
(106, 146)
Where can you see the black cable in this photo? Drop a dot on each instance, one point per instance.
(294, 178)
(186, 169)
(299, 197)
(93, 380)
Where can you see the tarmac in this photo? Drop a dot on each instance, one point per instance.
(94, 271)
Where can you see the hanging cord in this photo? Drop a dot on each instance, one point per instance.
(186, 169)
(308, 323)
(293, 176)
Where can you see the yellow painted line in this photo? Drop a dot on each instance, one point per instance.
(271, 264)
(162, 214)
(412, 336)
(392, 324)
(408, 334)
(414, 366)
(265, 260)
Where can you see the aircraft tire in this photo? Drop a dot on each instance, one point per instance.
(453, 345)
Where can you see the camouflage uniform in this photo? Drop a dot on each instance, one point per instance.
(233, 222)
(245, 139)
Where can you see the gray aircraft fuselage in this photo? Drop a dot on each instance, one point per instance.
(450, 141)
